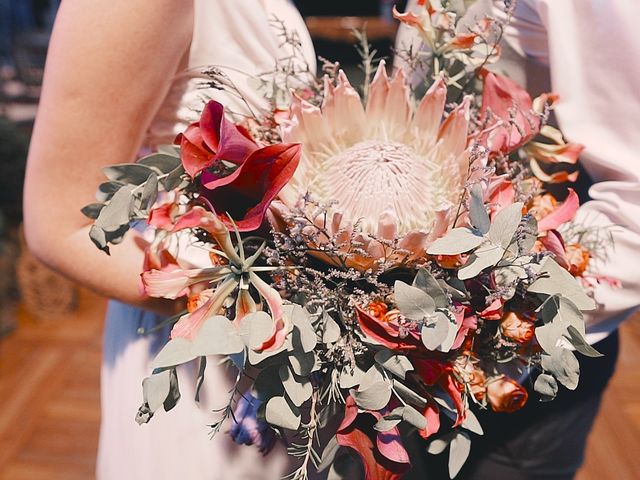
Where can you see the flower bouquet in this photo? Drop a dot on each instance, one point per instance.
(380, 264)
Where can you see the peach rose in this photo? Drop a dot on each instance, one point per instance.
(517, 328)
(505, 394)
(578, 259)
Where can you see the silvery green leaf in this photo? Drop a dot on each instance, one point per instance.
(160, 162)
(580, 344)
(175, 352)
(302, 363)
(434, 334)
(386, 424)
(298, 389)
(255, 328)
(452, 332)
(118, 211)
(328, 454)
(478, 211)
(106, 190)
(374, 397)
(281, 413)
(331, 332)
(408, 395)
(99, 238)
(130, 173)
(555, 280)
(174, 179)
(428, 284)
(458, 240)
(149, 192)
(445, 402)
(563, 365)
(505, 224)
(563, 312)
(439, 445)
(548, 335)
(92, 210)
(414, 417)
(398, 365)
(488, 255)
(155, 389)
(372, 376)
(169, 149)
(413, 302)
(458, 452)
(217, 336)
(200, 380)
(546, 386)
(304, 335)
(529, 235)
(349, 379)
(174, 391)
(472, 423)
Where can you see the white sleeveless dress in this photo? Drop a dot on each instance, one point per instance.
(239, 35)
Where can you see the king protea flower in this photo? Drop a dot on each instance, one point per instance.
(394, 168)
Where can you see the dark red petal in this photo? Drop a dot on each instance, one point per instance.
(245, 195)
(194, 158)
(385, 333)
(429, 371)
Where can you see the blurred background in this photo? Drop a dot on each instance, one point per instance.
(50, 329)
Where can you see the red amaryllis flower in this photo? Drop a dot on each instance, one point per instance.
(382, 453)
(245, 195)
(213, 138)
(508, 103)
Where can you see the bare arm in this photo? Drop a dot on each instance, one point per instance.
(109, 66)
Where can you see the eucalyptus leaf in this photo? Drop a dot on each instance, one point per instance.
(548, 335)
(304, 334)
(436, 331)
(302, 363)
(555, 280)
(563, 365)
(472, 423)
(255, 328)
(386, 424)
(456, 288)
(488, 255)
(439, 445)
(92, 210)
(169, 149)
(458, 452)
(268, 384)
(176, 352)
(452, 333)
(174, 179)
(580, 344)
(413, 302)
(162, 163)
(155, 389)
(331, 333)
(408, 395)
(477, 210)
(349, 378)
(396, 364)
(99, 238)
(298, 389)
(129, 173)
(414, 417)
(458, 240)
(118, 211)
(106, 190)
(328, 454)
(217, 336)
(375, 397)
(149, 192)
(174, 391)
(428, 284)
(546, 386)
(505, 224)
(281, 413)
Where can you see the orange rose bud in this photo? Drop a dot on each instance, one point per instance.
(517, 328)
(578, 259)
(451, 261)
(506, 395)
(378, 310)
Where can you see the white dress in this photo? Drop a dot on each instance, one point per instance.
(237, 34)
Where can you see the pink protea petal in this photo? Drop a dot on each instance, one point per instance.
(164, 216)
(386, 333)
(377, 100)
(429, 113)
(244, 196)
(387, 225)
(175, 283)
(189, 324)
(397, 113)
(454, 130)
(562, 214)
(345, 113)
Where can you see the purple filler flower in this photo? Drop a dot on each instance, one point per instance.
(248, 429)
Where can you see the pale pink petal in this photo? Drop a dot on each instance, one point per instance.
(281, 324)
(244, 305)
(397, 112)
(454, 129)
(345, 114)
(173, 284)
(562, 214)
(553, 242)
(387, 225)
(415, 242)
(429, 113)
(378, 91)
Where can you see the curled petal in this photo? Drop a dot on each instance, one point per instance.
(562, 214)
(244, 305)
(173, 284)
(230, 142)
(428, 116)
(377, 99)
(281, 324)
(454, 129)
(243, 197)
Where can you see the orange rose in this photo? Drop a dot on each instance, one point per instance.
(578, 259)
(378, 310)
(505, 394)
(517, 328)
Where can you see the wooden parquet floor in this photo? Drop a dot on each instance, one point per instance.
(50, 412)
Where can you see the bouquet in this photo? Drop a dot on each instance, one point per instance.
(381, 265)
